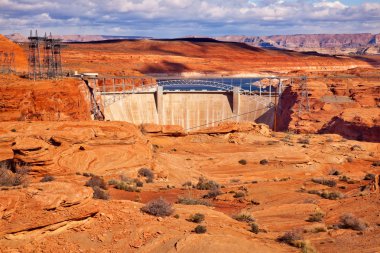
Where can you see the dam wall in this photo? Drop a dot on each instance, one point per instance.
(189, 109)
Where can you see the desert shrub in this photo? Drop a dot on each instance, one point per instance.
(192, 201)
(212, 193)
(176, 216)
(99, 193)
(13, 130)
(295, 239)
(97, 181)
(158, 207)
(187, 184)
(348, 220)
(328, 182)
(197, 218)
(376, 163)
(47, 178)
(316, 217)
(264, 162)
(244, 217)
(205, 184)
(327, 195)
(254, 202)
(331, 195)
(243, 162)
(306, 247)
(87, 174)
(234, 180)
(303, 141)
(147, 173)
(126, 179)
(369, 176)
(126, 187)
(350, 159)
(239, 194)
(139, 183)
(319, 229)
(200, 229)
(8, 178)
(344, 178)
(113, 182)
(335, 172)
(291, 237)
(254, 228)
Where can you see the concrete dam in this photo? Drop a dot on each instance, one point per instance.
(189, 108)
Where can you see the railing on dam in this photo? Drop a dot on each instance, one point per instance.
(118, 86)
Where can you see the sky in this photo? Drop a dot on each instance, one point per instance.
(177, 18)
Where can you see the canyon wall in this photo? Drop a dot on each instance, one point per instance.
(363, 43)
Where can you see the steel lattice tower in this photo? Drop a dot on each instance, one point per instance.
(51, 59)
(303, 104)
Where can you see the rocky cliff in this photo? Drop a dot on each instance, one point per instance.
(362, 43)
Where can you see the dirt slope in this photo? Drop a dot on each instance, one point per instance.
(154, 56)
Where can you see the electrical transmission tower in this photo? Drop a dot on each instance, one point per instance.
(34, 66)
(303, 104)
(51, 60)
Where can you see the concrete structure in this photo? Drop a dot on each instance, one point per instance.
(190, 109)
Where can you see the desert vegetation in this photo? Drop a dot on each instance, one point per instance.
(158, 207)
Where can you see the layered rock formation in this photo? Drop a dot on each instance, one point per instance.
(337, 104)
(22, 99)
(41, 215)
(364, 43)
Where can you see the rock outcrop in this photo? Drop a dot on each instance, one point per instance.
(363, 43)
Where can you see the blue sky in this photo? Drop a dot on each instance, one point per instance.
(175, 18)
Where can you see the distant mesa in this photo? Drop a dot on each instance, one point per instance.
(362, 43)
(356, 44)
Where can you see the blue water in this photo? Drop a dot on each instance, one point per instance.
(244, 83)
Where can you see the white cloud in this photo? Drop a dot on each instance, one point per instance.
(179, 17)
